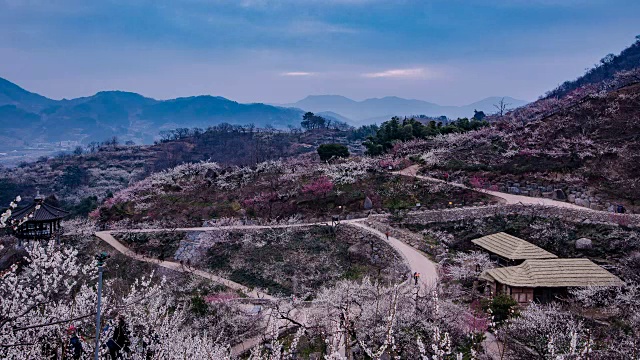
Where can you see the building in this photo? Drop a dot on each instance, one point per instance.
(508, 250)
(545, 280)
(42, 220)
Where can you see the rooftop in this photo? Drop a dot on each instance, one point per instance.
(553, 273)
(511, 247)
(46, 212)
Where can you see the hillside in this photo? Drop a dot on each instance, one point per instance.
(381, 109)
(32, 121)
(628, 59)
(76, 179)
(588, 148)
(297, 188)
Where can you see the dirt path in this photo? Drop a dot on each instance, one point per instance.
(416, 261)
(412, 171)
(412, 257)
(109, 239)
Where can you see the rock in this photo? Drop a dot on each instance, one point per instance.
(359, 250)
(368, 204)
(558, 194)
(571, 198)
(583, 243)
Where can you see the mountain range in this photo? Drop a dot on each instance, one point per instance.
(28, 119)
(377, 110)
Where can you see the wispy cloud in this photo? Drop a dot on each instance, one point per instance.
(297, 73)
(411, 73)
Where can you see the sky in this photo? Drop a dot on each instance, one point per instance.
(451, 52)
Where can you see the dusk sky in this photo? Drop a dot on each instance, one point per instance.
(451, 52)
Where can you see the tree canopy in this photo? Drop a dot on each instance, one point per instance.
(329, 151)
(397, 130)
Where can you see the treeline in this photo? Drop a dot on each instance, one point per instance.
(395, 130)
(608, 66)
(223, 128)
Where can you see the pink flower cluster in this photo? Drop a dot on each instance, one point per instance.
(320, 187)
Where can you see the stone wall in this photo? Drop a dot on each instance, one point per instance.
(572, 192)
(570, 215)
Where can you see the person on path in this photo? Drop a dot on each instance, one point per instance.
(417, 277)
(119, 341)
(387, 234)
(75, 342)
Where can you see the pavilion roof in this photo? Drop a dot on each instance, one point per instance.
(511, 247)
(553, 273)
(45, 213)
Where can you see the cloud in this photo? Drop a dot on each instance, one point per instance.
(410, 73)
(297, 73)
(313, 27)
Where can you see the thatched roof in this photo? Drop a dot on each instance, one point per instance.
(511, 247)
(553, 273)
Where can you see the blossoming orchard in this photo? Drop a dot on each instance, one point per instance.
(512, 235)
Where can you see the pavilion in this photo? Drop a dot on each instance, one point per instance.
(42, 220)
(546, 280)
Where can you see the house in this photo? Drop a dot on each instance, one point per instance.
(544, 280)
(508, 250)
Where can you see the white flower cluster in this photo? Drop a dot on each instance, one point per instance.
(53, 297)
(6, 216)
(349, 171)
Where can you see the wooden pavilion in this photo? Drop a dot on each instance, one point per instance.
(545, 280)
(43, 220)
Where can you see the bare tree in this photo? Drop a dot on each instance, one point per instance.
(501, 106)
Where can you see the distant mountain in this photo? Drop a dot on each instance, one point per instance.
(380, 109)
(29, 118)
(12, 94)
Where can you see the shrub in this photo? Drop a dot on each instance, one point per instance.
(330, 151)
(502, 306)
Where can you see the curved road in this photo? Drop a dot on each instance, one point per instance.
(412, 171)
(412, 257)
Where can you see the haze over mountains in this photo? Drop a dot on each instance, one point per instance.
(29, 120)
(377, 110)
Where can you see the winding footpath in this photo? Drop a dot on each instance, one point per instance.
(415, 260)
(412, 171)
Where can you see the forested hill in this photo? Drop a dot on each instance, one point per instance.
(609, 65)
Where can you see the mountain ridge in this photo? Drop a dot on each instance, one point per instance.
(377, 109)
(31, 118)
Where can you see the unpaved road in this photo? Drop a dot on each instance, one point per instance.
(412, 171)
(413, 259)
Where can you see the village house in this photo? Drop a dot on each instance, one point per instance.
(545, 280)
(508, 250)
